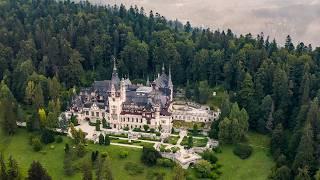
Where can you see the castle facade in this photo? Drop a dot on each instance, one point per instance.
(126, 105)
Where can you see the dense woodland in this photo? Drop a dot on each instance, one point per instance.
(47, 48)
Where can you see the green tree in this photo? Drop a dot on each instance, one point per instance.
(149, 156)
(190, 142)
(234, 128)
(265, 113)
(13, 170)
(179, 173)
(8, 116)
(3, 168)
(282, 173)
(42, 117)
(145, 127)
(87, 172)
(101, 139)
(305, 151)
(277, 140)
(36, 172)
(107, 140)
(303, 174)
(98, 124)
(203, 169)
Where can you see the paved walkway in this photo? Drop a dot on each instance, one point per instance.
(141, 140)
(126, 145)
(181, 134)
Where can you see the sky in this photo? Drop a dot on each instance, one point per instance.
(275, 18)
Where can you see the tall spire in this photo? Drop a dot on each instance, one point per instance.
(169, 77)
(115, 78)
(114, 64)
(163, 68)
(148, 82)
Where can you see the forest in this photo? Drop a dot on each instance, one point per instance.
(49, 49)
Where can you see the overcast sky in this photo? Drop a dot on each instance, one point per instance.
(276, 18)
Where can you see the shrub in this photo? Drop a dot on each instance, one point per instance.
(104, 123)
(243, 151)
(47, 137)
(80, 150)
(133, 168)
(164, 162)
(66, 148)
(190, 142)
(68, 167)
(209, 156)
(145, 127)
(158, 133)
(217, 150)
(59, 139)
(36, 143)
(152, 130)
(203, 169)
(104, 154)
(123, 154)
(175, 149)
(94, 155)
(158, 175)
(137, 129)
(101, 139)
(162, 148)
(126, 128)
(98, 125)
(92, 123)
(107, 140)
(149, 155)
(74, 120)
(168, 150)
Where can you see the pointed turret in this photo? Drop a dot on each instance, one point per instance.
(114, 64)
(169, 78)
(148, 82)
(163, 70)
(170, 84)
(115, 78)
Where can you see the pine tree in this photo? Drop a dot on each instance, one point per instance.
(282, 173)
(13, 170)
(87, 172)
(37, 172)
(305, 151)
(101, 139)
(3, 168)
(303, 174)
(277, 140)
(107, 170)
(107, 140)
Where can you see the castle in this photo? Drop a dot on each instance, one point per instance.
(127, 105)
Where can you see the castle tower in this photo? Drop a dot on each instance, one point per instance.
(170, 84)
(163, 70)
(115, 102)
(123, 90)
(115, 78)
(148, 82)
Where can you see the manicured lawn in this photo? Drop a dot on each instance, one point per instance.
(52, 159)
(200, 142)
(172, 140)
(178, 124)
(255, 167)
(196, 142)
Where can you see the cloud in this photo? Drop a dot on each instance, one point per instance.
(276, 18)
